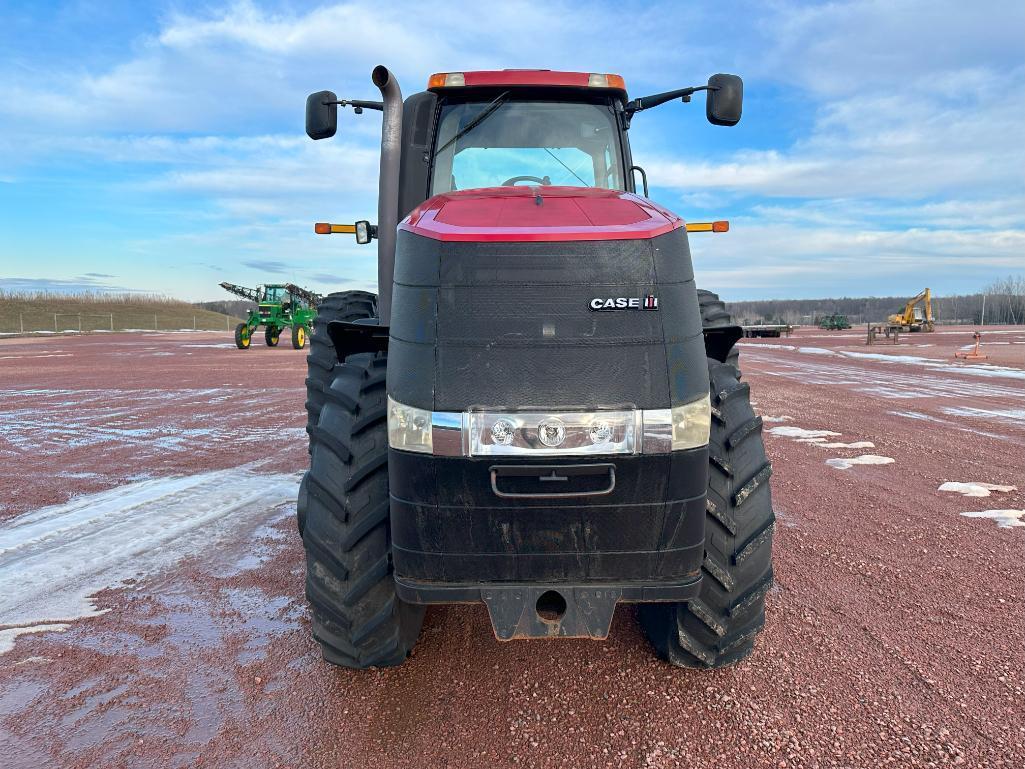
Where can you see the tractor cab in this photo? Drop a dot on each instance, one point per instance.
(274, 294)
(476, 130)
(495, 136)
(274, 302)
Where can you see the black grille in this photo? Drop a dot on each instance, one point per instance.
(510, 324)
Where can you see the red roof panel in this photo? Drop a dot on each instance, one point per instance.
(527, 77)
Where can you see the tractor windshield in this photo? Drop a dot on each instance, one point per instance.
(274, 294)
(526, 142)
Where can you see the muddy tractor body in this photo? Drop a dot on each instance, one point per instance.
(539, 411)
(279, 306)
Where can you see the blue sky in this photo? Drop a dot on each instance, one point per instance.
(160, 146)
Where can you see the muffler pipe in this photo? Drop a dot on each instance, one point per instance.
(388, 191)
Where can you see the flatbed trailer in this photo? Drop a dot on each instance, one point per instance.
(770, 330)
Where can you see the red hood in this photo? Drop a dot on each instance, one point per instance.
(539, 213)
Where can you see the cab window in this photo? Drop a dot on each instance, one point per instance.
(488, 144)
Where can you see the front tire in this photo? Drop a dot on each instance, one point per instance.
(243, 336)
(715, 315)
(272, 335)
(718, 628)
(343, 305)
(298, 337)
(345, 519)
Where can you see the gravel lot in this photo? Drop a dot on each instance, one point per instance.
(158, 469)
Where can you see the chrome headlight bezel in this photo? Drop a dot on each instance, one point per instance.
(572, 432)
(480, 433)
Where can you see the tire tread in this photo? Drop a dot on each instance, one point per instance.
(719, 626)
(357, 617)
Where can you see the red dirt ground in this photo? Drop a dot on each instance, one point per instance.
(895, 632)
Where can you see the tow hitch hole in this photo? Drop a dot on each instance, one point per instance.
(550, 606)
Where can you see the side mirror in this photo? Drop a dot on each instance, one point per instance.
(725, 99)
(364, 232)
(321, 115)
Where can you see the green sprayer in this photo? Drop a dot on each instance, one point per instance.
(278, 306)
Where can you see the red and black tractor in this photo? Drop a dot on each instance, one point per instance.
(538, 410)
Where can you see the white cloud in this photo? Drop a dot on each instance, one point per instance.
(356, 30)
(842, 48)
(759, 258)
(882, 146)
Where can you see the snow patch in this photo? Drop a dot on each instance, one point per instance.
(975, 489)
(783, 418)
(7, 635)
(49, 355)
(954, 425)
(801, 433)
(1011, 416)
(855, 445)
(52, 560)
(865, 459)
(763, 346)
(31, 660)
(977, 369)
(1006, 519)
(817, 351)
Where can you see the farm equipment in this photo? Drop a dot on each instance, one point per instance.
(834, 323)
(972, 353)
(278, 306)
(876, 330)
(539, 411)
(767, 330)
(916, 315)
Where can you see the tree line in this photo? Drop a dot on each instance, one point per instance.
(1002, 302)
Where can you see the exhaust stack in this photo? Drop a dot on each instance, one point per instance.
(388, 194)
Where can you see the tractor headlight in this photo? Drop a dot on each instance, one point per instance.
(409, 428)
(691, 423)
(539, 434)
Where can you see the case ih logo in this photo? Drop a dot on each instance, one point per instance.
(649, 302)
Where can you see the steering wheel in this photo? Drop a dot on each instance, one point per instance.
(512, 180)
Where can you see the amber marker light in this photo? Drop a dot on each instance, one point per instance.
(720, 226)
(323, 228)
(616, 81)
(445, 79)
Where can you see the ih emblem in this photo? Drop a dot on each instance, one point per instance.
(649, 302)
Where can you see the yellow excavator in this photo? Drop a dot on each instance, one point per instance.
(916, 315)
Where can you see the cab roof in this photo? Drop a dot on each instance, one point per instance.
(511, 78)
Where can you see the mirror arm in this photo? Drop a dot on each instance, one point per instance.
(647, 102)
(357, 105)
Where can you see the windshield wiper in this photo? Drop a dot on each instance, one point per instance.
(557, 160)
(481, 116)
